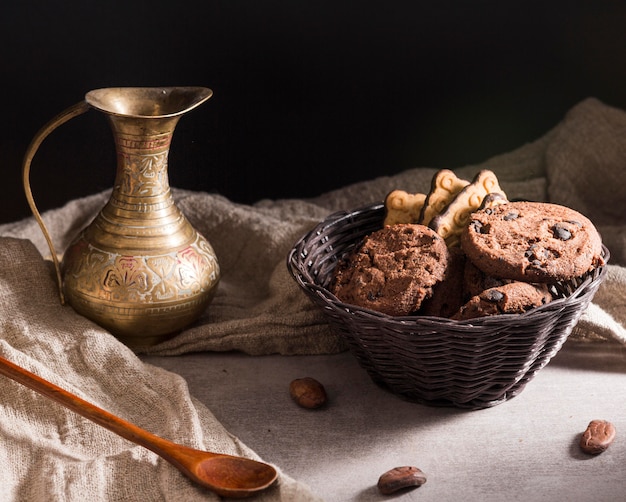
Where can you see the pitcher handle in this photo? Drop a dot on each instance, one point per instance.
(61, 118)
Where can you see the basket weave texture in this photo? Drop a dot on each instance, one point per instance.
(468, 364)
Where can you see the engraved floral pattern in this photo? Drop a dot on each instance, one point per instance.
(144, 279)
(163, 268)
(192, 269)
(144, 174)
(126, 279)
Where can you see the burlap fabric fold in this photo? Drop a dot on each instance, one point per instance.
(50, 454)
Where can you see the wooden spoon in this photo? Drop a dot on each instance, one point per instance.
(226, 475)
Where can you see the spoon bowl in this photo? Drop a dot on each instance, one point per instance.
(227, 475)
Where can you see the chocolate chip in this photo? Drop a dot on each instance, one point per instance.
(561, 233)
(476, 225)
(513, 215)
(536, 254)
(532, 251)
(494, 295)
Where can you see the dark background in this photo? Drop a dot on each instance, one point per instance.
(308, 95)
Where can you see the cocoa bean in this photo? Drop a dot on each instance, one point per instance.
(307, 392)
(597, 437)
(400, 478)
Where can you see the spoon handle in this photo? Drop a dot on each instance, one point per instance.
(90, 411)
(226, 475)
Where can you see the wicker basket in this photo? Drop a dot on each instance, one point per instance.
(468, 364)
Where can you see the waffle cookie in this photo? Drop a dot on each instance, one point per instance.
(450, 222)
(403, 207)
(444, 187)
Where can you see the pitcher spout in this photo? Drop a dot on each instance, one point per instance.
(147, 102)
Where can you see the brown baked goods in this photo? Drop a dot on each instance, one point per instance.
(449, 294)
(493, 199)
(444, 186)
(532, 242)
(511, 298)
(476, 281)
(451, 221)
(393, 271)
(403, 207)
(480, 254)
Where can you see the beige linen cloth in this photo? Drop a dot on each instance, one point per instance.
(49, 453)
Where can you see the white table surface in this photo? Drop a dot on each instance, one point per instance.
(524, 449)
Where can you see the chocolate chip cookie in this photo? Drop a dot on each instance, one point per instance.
(512, 298)
(448, 294)
(394, 270)
(532, 242)
(476, 281)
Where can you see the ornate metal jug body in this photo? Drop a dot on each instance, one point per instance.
(139, 269)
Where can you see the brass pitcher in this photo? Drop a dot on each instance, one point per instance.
(139, 269)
